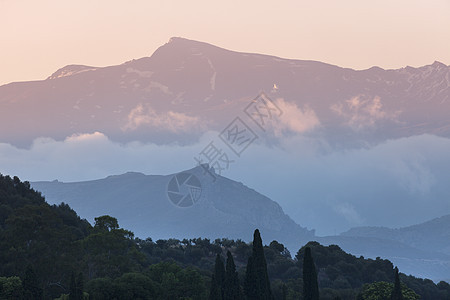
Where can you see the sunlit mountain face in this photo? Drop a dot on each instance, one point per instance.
(187, 88)
(335, 147)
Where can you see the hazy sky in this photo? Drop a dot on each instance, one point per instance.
(38, 37)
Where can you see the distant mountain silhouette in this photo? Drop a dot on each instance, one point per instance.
(432, 235)
(187, 87)
(144, 204)
(179, 206)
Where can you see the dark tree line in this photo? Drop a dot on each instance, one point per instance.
(225, 280)
(47, 251)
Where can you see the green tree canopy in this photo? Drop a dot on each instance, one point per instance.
(106, 222)
(383, 290)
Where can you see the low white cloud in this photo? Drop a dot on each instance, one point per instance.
(361, 112)
(145, 115)
(395, 183)
(86, 137)
(294, 119)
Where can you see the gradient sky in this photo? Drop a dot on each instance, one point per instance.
(38, 37)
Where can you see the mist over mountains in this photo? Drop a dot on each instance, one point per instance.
(143, 203)
(354, 147)
(368, 136)
(344, 148)
(187, 87)
(194, 204)
(433, 234)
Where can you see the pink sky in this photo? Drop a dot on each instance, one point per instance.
(38, 37)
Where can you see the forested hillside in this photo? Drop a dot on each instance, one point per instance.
(48, 252)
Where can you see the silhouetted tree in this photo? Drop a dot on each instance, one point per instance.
(218, 279)
(284, 292)
(31, 287)
(250, 280)
(310, 284)
(72, 287)
(80, 286)
(214, 291)
(76, 287)
(257, 284)
(106, 223)
(397, 291)
(231, 289)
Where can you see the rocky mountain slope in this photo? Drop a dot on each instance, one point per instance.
(189, 204)
(187, 87)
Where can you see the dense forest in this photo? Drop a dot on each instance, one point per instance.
(48, 252)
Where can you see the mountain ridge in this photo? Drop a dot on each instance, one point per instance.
(227, 208)
(223, 203)
(187, 87)
(200, 43)
(433, 234)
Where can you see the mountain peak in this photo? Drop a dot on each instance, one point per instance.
(70, 70)
(176, 39)
(180, 40)
(177, 45)
(438, 65)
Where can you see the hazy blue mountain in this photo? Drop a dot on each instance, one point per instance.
(433, 235)
(424, 248)
(189, 87)
(421, 263)
(225, 208)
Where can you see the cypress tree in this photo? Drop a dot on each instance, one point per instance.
(214, 292)
(284, 292)
(250, 280)
(397, 291)
(310, 285)
(219, 271)
(257, 284)
(72, 287)
(218, 279)
(231, 289)
(31, 284)
(80, 287)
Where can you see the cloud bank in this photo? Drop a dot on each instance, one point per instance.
(396, 183)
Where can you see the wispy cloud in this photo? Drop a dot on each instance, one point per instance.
(348, 211)
(143, 115)
(326, 190)
(294, 119)
(361, 112)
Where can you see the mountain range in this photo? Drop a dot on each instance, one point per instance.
(187, 87)
(220, 207)
(431, 235)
